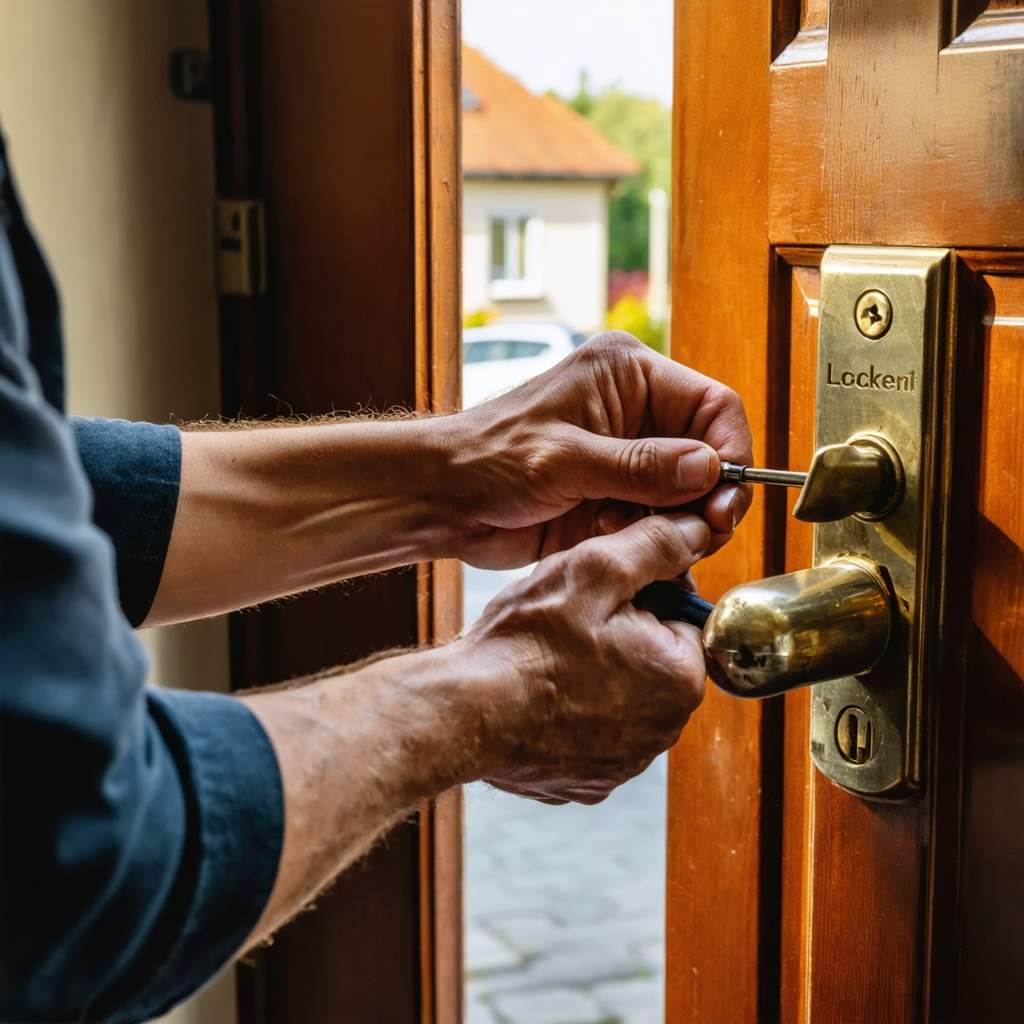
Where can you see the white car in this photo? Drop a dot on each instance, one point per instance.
(501, 356)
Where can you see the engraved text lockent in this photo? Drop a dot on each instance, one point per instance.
(871, 379)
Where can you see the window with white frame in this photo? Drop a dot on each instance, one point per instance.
(517, 255)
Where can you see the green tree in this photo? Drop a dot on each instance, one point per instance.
(643, 128)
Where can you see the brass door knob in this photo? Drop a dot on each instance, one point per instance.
(784, 632)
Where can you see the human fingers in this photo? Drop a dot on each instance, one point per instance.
(526, 792)
(645, 470)
(656, 548)
(725, 507)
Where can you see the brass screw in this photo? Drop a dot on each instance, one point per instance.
(873, 314)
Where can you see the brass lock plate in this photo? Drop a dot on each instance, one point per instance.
(881, 346)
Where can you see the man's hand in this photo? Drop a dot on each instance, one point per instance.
(591, 689)
(579, 451)
(561, 691)
(532, 471)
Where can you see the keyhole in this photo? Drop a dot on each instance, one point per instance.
(853, 735)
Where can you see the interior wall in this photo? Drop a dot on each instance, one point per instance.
(117, 177)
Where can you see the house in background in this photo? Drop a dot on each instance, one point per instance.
(537, 179)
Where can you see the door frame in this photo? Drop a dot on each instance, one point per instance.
(723, 889)
(396, 918)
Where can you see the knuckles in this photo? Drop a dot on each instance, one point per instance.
(612, 341)
(722, 400)
(727, 398)
(547, 459)
(640, 463)
(592, 565)
(666, 540)
(609, 348)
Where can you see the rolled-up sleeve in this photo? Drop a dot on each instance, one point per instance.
(134, 470)
(141, 829)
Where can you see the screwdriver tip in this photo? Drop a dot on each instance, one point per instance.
(732, 473)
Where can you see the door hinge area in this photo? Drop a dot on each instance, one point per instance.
(240, 246)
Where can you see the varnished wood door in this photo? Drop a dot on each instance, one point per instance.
(800, 124)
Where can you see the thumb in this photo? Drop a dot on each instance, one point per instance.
(661, 471)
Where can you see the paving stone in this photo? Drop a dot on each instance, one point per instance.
(575, 894)
(640, 893)
(485, 952)
(574, 967)
(485, 901)
(533, 934)
(633, 1002)
(527, 933)
(481, 864)
(478, 1012)
(654, 954)
(619, 934)
(583, 908)
(548, 1006)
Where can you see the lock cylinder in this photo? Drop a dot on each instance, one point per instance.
(784, 632)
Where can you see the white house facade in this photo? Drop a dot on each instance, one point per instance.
(537, 250)
(536, 185)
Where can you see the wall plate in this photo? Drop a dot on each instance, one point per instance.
(883, 322)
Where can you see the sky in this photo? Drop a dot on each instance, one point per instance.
(544, 43)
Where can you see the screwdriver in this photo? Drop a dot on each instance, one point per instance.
(669, 600)
(736, 474)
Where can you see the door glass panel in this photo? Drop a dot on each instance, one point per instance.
(564, 906)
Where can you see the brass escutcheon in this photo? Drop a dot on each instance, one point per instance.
(878, 415)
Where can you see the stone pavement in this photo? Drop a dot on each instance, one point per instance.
(564, 905)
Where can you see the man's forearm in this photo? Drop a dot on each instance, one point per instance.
(265, 513)
(360, 750)
(561, 690)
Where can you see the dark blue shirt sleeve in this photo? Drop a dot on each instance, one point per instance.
(133, 470)
(140, 830)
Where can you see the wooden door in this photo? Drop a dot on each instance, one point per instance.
(342, 118)
(800, 124)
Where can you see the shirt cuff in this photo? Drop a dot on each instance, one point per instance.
(233, 846)
(135, 472)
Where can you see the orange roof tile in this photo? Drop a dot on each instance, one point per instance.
(508, 132)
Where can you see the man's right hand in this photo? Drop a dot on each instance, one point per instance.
(561, 691)
(580, 689)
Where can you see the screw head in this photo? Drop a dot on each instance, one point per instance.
(873, 314)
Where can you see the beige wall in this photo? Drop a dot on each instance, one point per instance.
(575, 215)
(117, 176)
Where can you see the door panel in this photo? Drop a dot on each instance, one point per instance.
(852, 867)
(720, 956)
(889, 87)
(802, 125)
(993, 845)
(798, 797)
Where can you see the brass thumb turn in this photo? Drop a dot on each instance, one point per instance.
(863, 477)
(784, 632)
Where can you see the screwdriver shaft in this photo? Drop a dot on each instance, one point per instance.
(732, 473)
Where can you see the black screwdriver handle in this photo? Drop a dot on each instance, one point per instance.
(672, 602)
